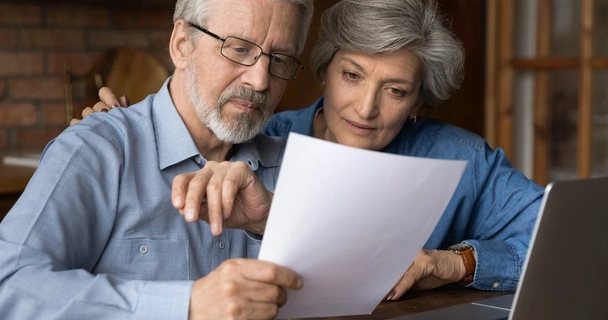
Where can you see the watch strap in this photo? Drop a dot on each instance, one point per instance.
(468, 257)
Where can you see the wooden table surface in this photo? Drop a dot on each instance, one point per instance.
(415, 301)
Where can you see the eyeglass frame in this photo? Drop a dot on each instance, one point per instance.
(269, 55)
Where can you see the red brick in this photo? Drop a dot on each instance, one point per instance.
(144, 18)
(40, 88)
(160, 39)
(3, 139)
(113, 39)
(36, 138)
(78, 16)
(11, 13)
(38, 38)
(2, 89)
(22, 114)
(81, 62)
(8, 38)
(20, 64)
(53, 114)
(170, 4)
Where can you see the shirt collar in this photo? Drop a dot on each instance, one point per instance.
(173, 140)
(304, 123)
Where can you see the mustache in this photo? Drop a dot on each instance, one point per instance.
(261, 99)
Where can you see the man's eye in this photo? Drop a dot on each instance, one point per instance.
(278, 60)
(240, 50)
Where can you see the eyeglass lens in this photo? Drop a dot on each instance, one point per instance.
(247, 53)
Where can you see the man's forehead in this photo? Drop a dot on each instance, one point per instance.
(257, 20)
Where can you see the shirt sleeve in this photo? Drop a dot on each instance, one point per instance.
(52, 238)
(502, 221)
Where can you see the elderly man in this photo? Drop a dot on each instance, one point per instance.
(96, 235)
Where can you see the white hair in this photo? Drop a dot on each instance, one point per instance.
(198, 11)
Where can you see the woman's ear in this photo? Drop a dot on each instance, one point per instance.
(180, 45)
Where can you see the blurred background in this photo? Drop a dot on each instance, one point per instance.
(534, 84)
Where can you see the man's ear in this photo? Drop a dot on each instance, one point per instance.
(180, 45)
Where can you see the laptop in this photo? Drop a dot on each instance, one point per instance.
(565, 274)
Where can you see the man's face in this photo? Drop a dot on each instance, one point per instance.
(234, 101)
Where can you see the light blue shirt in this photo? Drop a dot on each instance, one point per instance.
(493, 208)
(94, 235)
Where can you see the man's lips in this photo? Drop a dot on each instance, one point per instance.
(245, 105)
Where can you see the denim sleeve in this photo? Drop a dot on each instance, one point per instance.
(52, 238)
(502, 221)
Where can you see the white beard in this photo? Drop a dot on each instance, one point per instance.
(239, 129)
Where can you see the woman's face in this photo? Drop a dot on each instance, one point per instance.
(368, 98)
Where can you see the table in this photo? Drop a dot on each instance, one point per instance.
(13, 180)
(415, 301)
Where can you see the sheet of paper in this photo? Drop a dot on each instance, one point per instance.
(351, 221)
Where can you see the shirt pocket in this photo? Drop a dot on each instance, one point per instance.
(145, 259)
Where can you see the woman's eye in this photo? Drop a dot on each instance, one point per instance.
(351, 76)
(397, 92)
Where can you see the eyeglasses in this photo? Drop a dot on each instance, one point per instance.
(247, 53)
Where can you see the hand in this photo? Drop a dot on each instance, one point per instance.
(225, 194)
(242, 289)
(108, 101)
(430, 269)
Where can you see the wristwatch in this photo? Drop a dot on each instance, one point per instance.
(468, 256)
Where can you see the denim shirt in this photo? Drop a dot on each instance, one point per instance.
(95, 235)
(493, 208)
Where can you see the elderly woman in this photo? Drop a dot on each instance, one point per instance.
(380, 62)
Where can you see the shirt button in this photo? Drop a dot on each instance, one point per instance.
(143, 249)
(250, 163)
(197, 160)
(221, 244)
(495, 285)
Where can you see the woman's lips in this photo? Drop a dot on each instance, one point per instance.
(358, 128)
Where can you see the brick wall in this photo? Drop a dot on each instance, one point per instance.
(37, 38)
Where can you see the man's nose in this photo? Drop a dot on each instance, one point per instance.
(257, 76)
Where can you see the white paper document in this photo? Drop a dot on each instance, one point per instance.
(351, 221)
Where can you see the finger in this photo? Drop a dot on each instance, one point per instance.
(214, 202)
(179, 190)
(124, 101)
(74, 121)
(229, 190)
(195, 194)
(261, 310)
(407, 281)
(268, 272)
(270, 294)
(100, 106)
(87, 111)
(108, 97)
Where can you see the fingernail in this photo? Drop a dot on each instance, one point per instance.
(104, 110)
(215, 229)
(115, 106)
(178, 203)
(127, 100)
(190, 215)
(390, 295)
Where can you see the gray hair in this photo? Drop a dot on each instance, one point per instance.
(198, 11)
(383, 26)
